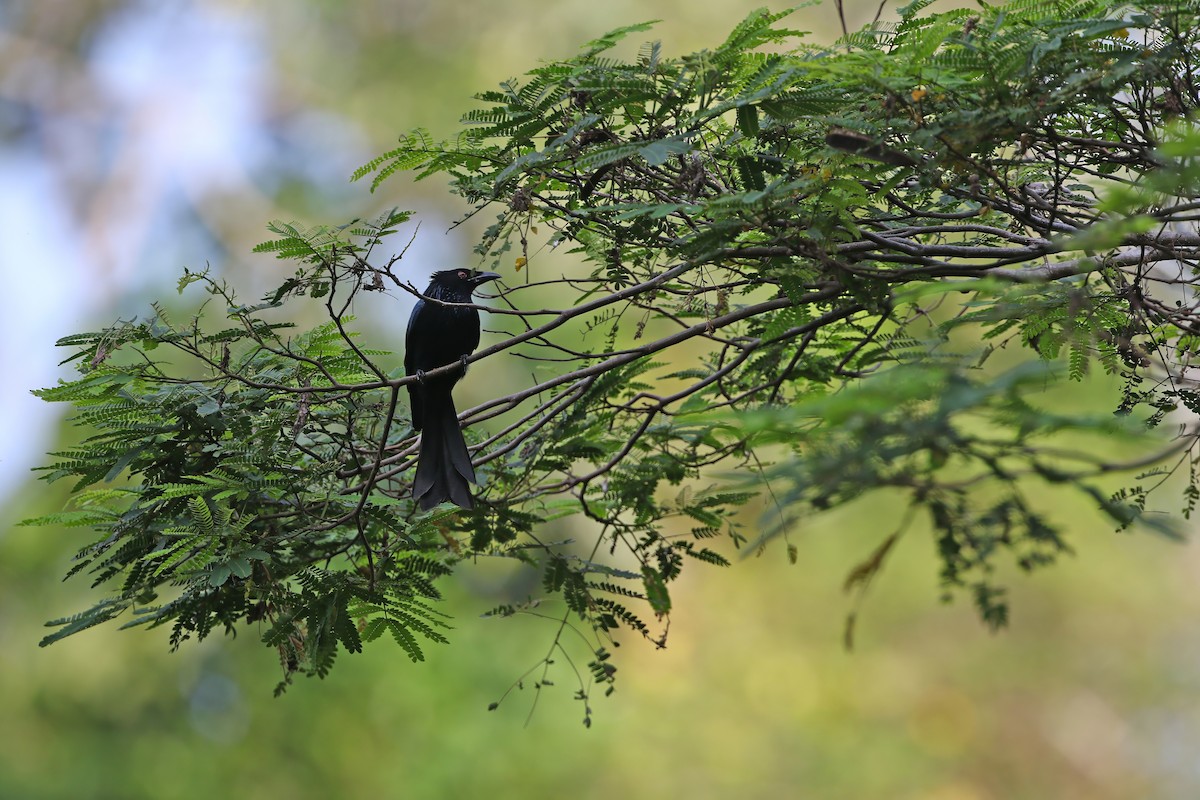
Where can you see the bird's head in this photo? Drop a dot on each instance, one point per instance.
(458, 283)
(463, 278)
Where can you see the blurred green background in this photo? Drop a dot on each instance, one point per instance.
(139, 137)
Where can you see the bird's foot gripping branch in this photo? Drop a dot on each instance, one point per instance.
(740, 287)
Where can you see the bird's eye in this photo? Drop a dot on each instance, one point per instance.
(463, 275)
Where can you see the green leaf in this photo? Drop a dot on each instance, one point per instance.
(656, 591)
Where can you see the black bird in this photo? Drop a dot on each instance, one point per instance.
(439, 335)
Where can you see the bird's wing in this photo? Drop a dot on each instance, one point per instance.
(410, 346)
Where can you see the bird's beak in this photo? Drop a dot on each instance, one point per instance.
(483, 277)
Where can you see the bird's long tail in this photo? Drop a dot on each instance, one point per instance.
(444, 470)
